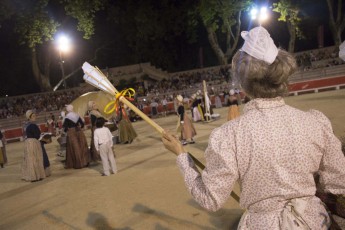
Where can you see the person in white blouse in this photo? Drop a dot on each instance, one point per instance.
(275, 151)
(103, 143)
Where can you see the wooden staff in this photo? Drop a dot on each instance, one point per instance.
(96, 78)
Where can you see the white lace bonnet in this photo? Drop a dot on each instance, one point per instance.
(259, 44)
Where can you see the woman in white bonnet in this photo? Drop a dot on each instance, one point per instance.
(272, 149)
(77, 151)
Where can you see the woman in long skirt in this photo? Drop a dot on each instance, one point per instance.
(77, 151)
(185, 126)
(126, 131)
(33, 168)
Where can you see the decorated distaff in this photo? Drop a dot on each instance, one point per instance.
(96, 78)
(207, 102)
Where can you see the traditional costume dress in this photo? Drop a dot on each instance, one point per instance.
(195, 110)
(35, 165)
(185, 126)
(275, 191)
(77, 152)
(218, 102)
(51, 126)
(3, 156)
(126, 131)
(200, 107)
(233, 111)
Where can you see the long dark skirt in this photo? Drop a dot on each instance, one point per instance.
(46, 162)
(154, 111)
(77, 151)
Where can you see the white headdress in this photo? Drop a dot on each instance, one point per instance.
(90, 104)
(259, 44)
(69, 108)
(179, 98)
(29, 113)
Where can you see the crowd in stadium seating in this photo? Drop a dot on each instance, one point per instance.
(155, 90)
(17, 106)
(318, 59)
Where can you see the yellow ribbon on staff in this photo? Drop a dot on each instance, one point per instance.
(127, 93)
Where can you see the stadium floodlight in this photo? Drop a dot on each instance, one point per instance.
(260, 15)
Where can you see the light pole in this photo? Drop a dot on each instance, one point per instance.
(64, 45)
(260, 15)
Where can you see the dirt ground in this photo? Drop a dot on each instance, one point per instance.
(147, 193)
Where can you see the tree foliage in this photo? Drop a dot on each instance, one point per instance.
(36, 25)
(85, 13)
(222, 20)
(289, 12)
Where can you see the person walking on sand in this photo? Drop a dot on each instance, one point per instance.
(103, 143)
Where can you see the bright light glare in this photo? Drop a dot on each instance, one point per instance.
(253, 13)
(263, 14)
(64, 43)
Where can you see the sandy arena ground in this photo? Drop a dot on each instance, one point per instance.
(147, 193)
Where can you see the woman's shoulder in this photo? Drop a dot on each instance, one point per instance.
(320, 117)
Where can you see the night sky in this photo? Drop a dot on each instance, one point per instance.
(15, 59)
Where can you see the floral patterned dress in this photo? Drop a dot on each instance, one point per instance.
(274, 151)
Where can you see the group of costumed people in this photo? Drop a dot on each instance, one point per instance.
(126, 132)
(199, 112)
(36, 164)
(78, 155)
(200, 107)
(282, 157)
